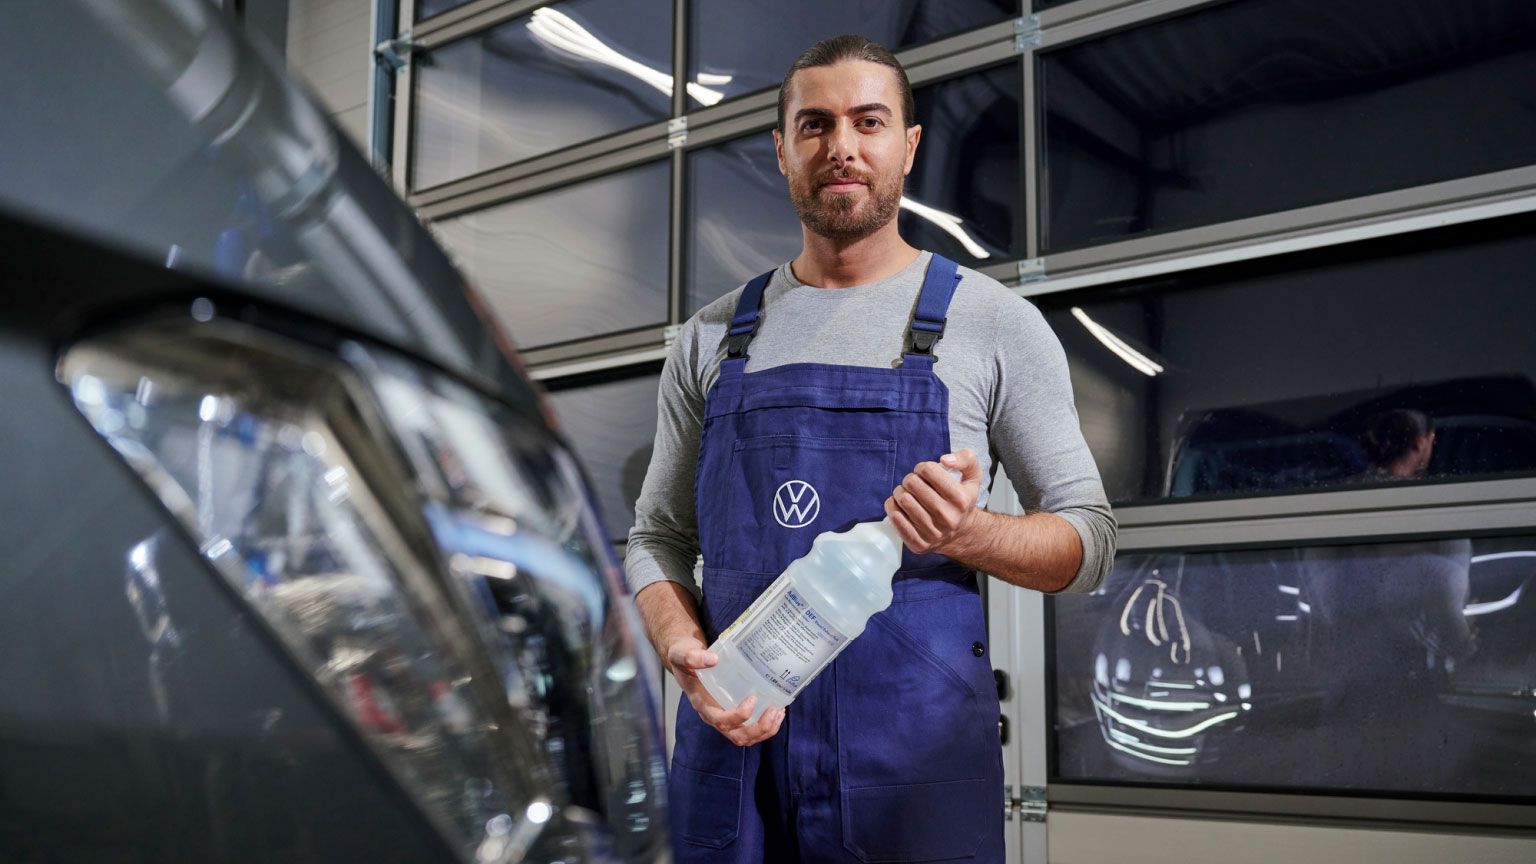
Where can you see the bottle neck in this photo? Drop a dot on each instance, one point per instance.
(888, 528)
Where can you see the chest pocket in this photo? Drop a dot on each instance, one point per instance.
(786, 489)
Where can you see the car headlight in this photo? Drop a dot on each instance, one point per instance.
(426, 554)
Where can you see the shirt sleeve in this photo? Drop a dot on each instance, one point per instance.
(1035, 432)
(664, 544)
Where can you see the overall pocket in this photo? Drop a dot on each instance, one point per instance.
(919, 756)
(704, 785)
(786, 489)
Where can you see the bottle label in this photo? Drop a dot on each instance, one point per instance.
(790, 642)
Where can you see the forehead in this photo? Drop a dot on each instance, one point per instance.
(843, 85)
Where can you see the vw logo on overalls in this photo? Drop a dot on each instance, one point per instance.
(796, 504)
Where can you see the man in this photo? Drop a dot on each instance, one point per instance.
(861, 379)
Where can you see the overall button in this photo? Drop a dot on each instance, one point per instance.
(978, 649)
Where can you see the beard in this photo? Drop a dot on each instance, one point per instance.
(841, 215)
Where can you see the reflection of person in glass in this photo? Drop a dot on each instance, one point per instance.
(871, 363)
(1390, 627)
(1399, 444)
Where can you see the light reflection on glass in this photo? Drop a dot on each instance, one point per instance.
(1296, 662)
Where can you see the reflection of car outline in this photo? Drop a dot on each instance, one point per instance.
(1178, 710)
(1484, 683)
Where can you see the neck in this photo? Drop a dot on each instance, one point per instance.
(828, 263)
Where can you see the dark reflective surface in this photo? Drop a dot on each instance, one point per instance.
(1290, 373)
(148, 716)
(578, 261)
(966, 190)
(742, 47)
(221, 167)
(566, 73)
(963, 197)
(1397, 667)
(611, 424)
(1250, 108)
(427, 8)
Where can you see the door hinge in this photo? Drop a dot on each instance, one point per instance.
(1031, 270)
(1028, 806)
(395, 54)
(677, 132)
(1026, 33)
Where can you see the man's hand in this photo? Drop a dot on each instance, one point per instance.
(931, 509)
(684, 657)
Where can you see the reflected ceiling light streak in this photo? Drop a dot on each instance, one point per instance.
(1159, 706)
(1472, 609)
(1147, 756)
(1289, 589)
(1163, 733)
(1128, 738)
(559, 32)
(1499, 556)
(1156, 620)
(949, 223)
(1137, 360)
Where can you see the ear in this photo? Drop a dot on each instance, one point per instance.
(914, 134)
(778, 150)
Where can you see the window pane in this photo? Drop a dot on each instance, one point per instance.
(741, 222)
(427, 8)
(1242, 109)
(743, 47)
(1305, 371)
(580, 261)
(1399, 667)
(564, 74)
(966, 190)
(612, 427)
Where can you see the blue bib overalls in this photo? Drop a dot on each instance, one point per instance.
(892, 753)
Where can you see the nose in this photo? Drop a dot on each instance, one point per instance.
(841, 143)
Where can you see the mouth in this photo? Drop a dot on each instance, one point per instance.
(842, 186)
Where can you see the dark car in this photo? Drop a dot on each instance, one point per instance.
(296, 567)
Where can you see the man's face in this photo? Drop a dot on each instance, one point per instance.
(845, 149)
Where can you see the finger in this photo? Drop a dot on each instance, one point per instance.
(946, 482)
(913, 510)
(910, 535)
(729, 720)
(941, 496)
(699, 658)
(765, 727)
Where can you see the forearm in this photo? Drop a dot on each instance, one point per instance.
(669, 613)
(1040, 551)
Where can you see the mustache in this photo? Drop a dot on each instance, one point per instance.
(843, 175)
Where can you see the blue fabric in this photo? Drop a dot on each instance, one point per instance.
(892, 753)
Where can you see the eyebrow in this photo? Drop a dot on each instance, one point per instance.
(868, 108)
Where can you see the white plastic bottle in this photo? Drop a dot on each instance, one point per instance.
(805, 618)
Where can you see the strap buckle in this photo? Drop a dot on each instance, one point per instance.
(736, 343)
(924, 340)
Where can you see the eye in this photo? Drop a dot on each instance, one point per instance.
(811, 126)
(871, 122)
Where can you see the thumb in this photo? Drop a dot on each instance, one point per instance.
(964, 461)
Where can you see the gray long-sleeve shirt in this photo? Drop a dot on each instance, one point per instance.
(1010, 401)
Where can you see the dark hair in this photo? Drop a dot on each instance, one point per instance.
(1391, 435)
(840, 49)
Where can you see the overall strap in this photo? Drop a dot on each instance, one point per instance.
(927, 326)
(744, 324)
